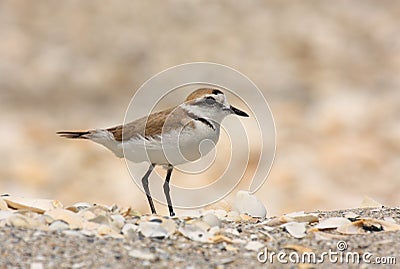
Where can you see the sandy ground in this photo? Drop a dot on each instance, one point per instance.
(30, 248)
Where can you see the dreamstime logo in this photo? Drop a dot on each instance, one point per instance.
(224, 164)
(341, 256)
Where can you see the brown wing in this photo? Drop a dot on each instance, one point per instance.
(150, 126)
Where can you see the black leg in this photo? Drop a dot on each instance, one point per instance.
(166, 190)
(145, 183)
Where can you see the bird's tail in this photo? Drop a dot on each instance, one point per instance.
(75, 134)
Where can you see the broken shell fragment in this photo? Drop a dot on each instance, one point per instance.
(195, 233)
(332, 223)
(3, 205)
(118, 221)
(364, 226)
(303, 217)
(58, 225)
(157, 227)
(369, 202)
(212, 220)
(247, 203)
(129, 228)
(74, 220)
(295, 229)
(79, 206)
(34, 205)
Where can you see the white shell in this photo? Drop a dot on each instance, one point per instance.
(212, 220)
(247, 203)
(157, 227)
(296, 229)
(254, 245)
(58, 225)
(332, 223)
(129, 228)
(303, 217)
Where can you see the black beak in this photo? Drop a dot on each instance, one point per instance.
(238, 112)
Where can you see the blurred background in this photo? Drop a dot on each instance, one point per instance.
(329, 72)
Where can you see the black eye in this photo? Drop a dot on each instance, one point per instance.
(210, 100)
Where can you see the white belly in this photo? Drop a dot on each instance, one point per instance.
(185, 145)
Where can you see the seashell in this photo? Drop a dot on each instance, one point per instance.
(74, 220)
(303, 217)
(3, 205)
(364, 226)
(105, 230)
(58, 225)
(332, 223)
(129, 228)
(369, 202)
(254, 245)
(195, 233)
(157, 227)
(212, 220)
(79, 206)
(351, 215)
(233, 216)
(295, 229)
(98, 210)
(202, 225)
(249, 204)
(118, 221)
(35, 205)
(277, 221)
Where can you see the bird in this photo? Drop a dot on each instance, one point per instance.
(166, 138)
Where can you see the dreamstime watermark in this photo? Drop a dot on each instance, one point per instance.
(248, 139)
(339, 256)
